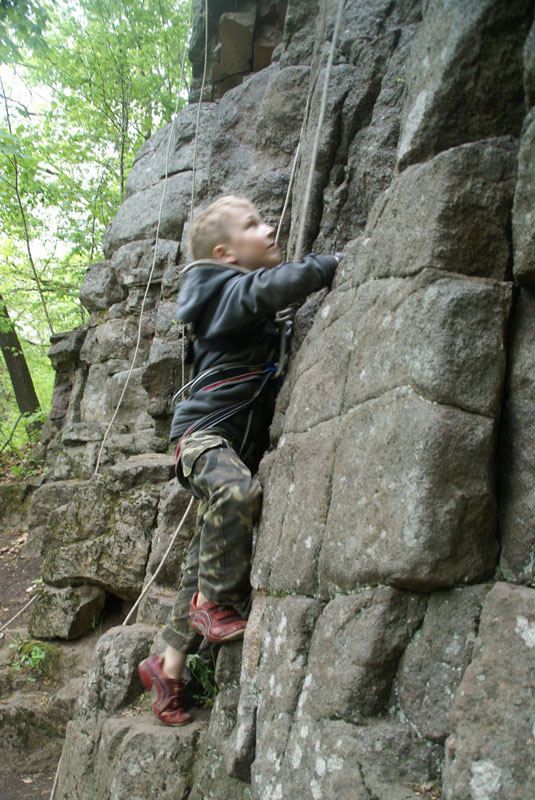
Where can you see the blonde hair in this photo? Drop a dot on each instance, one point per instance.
(210, 227)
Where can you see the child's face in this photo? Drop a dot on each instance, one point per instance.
(251, 241)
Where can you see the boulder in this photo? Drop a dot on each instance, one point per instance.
(518, 449)
(66, 613)
(524, 207)
(102, 537)
(101, 288)
(433, 664)
(491, 750)
(464, 77)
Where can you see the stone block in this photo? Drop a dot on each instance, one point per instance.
(354, 653)
(335, 759)
(65, 348)
(44, 500)
(422, 513)
(112, 680)
(158, 157)
(112, 340)
(266, 39)
(174, 501)
(280, 118)
(146, 468)
(464, 77)
(451, 213)
(517, 446)
(320, 375)
(233, 142)
(299, 32)
(433, 664)
(101, 537)
(101, 288)
(236, 31)
(444, 335)
(524, 207)
(66, 613)
(295, 506)
(133, 756)
(285, 630)
(138, 216)
(30, 736)
(491, 750)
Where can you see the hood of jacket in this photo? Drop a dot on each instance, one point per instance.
(200, 282)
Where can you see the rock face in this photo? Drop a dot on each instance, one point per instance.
(390, 640)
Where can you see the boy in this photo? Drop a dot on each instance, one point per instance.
(229, 295)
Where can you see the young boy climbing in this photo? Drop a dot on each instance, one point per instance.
(229, 296)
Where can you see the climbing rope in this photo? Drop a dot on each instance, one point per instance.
(195, 149)
(162, 562)
(153, 265)
(13, 618)
(285, 317)
(315, 147)
(199, 104)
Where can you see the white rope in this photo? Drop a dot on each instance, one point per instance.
(162, 562)
(24, 607)
(290, 184)
(306, 201)
(200, 103)
(164, 190)
(315, 148)
(54, 785)
(285, 317)
(195, 149)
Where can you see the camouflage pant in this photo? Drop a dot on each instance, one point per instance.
(219, 555)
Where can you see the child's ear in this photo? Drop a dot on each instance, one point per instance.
(222, 252)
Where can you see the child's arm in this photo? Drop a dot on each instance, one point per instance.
(266, 291)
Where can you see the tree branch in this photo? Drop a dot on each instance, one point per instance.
(23, 215)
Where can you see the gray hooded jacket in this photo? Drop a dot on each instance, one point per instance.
(231, 311)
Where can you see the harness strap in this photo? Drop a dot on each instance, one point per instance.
(223, 374)
(216, 417)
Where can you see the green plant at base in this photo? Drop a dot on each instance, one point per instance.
(204, 673)
(31, 655)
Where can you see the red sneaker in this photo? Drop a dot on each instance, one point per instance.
(216, 623)
(168, 705)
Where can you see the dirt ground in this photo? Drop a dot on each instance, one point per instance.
(17, 572)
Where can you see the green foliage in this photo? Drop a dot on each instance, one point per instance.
(22, 23)
(203, 672)
(30, 655)
(94, 79)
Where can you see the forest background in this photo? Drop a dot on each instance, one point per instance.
(83, 83)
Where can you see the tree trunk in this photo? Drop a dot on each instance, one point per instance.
(16, 364)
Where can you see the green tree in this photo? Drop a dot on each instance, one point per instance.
(22, 23)
(93, 80)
